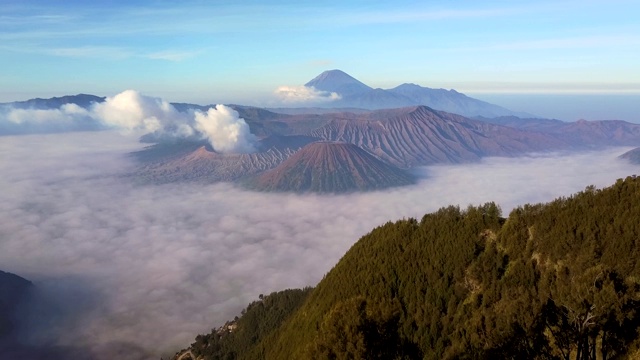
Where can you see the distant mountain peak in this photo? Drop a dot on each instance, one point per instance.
(334, 75)
(355, 94)
(339, 82)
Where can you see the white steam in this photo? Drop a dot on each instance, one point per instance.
(226, 131)
(132, 111)
(304, 94)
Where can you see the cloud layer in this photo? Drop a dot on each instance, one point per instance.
(305, 95)
(132, 111)
(159, 264)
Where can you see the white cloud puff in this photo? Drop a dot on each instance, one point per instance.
(132, 111)
(226, 131)
(304, 94)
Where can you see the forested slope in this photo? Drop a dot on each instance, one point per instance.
(552, 281)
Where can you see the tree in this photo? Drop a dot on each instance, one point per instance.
(358, 329)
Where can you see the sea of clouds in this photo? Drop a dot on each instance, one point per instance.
(142, 269)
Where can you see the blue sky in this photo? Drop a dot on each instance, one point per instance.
(241, 51)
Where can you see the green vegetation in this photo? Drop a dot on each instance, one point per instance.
(241, 336)
(552, 281)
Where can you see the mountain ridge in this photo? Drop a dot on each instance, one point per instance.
(356, 94)
(401, 137)
(82, 100)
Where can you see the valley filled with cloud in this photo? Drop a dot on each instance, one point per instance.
(116, 262)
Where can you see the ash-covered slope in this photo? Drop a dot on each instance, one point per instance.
(331, 167)
(189, 160)
(205, 165)
(415, 136)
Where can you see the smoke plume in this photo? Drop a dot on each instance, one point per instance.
(226, 131)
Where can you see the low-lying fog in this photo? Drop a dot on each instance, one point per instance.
(156, 265)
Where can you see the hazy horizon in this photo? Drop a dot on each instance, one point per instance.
(566, 107)
(570, 107)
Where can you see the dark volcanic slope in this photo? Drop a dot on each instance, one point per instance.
(421, 136)
(633, 156)
(331, 167)
(13, 290)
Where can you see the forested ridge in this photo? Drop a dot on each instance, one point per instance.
(551, 281)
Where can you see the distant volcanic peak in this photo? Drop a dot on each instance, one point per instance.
(334, 75)
(339, 82)
(331, 167)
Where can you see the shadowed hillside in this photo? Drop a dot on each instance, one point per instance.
(632, 156)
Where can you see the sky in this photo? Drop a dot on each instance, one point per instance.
(139, 270)
(240, 52)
